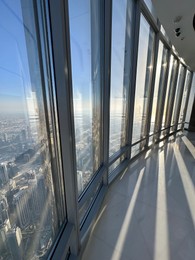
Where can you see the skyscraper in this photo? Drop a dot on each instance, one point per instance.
(14, 239)
(3, 174)
(21, 202)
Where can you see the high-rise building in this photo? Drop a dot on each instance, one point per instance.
(23, 135)
(5, 139)
(3, 211)
(22, 209)
(80, 181)
(14, 241)
(3, 174)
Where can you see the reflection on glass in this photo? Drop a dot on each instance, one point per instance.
(116, 164)
(143, 79)
(84, 209)
(119, 84)
(28, 216)
(186, 89)
(151, 8)
(168, 90)
(135, 150)
(190, 103)
(158, 88)
(170, 95)
(179, 88)
(85, 56)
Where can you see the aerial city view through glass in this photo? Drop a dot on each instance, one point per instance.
(28, 219)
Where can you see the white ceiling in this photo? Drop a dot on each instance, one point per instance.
(167, 11)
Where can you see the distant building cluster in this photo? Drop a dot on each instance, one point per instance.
(25, 196)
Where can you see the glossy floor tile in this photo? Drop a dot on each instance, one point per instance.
(149, 211)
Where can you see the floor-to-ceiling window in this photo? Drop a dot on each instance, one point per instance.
(143, 81)
(32, 202)
(122, 19)
(170, 95)
(178, 96)
(85, 58)
(185, 97)
(159, 89)
(168, 91)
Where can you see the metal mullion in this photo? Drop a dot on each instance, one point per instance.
(95, 82)
(161, 108)
(57, 178)
(118, 154)
(149, 17)
(62, 70)
(172, 98)
(151, 94)
(132, 82)
(147, 86)
(62, 249)
(91, 186)
(106, 79)
(187, 99)
(128, 63)
(121, 167)
(92, 214)
(178, 108)
(164, 41)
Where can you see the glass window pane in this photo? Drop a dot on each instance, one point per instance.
(84, 209)
(190, 103)
(85, 57)
(143, 78)
(29, 221)
(120, 57)
(116, 163)
(186, 89)
(171, 95)
(135, 150)
(151, 8)
(158, 88)
(168, 90)
(179, 88)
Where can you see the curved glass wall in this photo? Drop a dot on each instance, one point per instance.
(40, 212)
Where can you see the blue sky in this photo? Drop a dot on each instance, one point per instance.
(14, 74)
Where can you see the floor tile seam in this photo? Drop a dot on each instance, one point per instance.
(109, 206)
(180, 244)
(187, 219)
(121, 250)
(113, 248)
(141, 232)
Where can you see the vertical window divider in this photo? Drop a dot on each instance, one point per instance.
(172, 98)
(160, 114)
(132, 81)
(178, 108)
(62, 70)
(106, 40)
(150, 103)
(187, 99)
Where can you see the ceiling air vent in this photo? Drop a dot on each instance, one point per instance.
(194, 22)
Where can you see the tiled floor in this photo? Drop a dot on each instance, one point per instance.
(149, 212)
